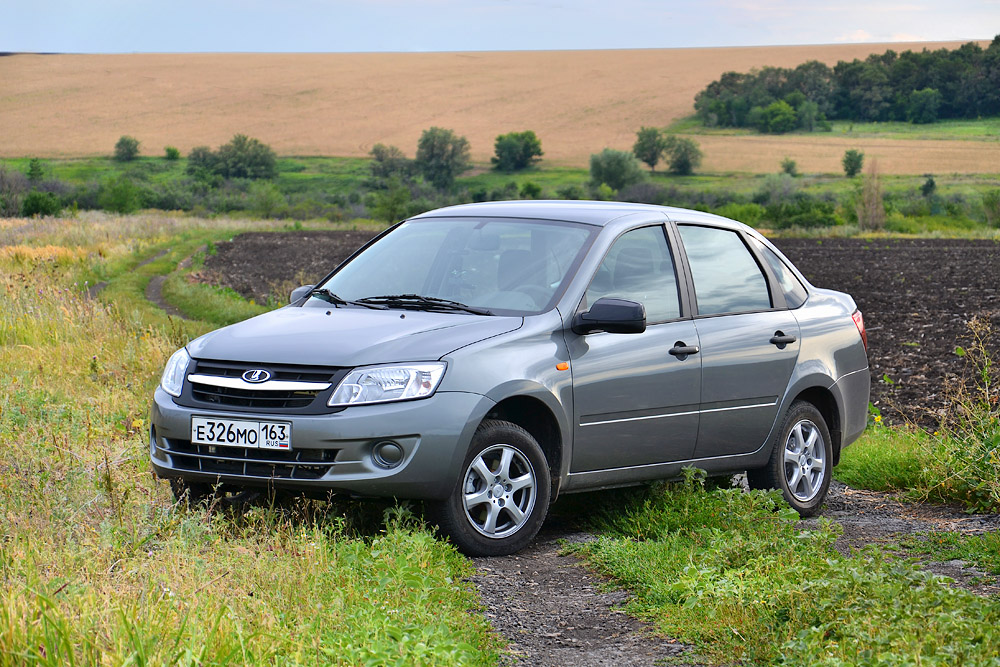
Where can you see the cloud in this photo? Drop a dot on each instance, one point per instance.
(858, 35)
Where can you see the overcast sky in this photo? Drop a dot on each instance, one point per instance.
(116, 26)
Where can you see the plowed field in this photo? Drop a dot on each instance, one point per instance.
(916, 295)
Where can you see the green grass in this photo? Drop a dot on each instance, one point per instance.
(98, 565)
(982, 129)
(887, 459)
(731, 573)
(983, 550)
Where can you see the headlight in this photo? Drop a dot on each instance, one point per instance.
(381, 384)
(173, 375)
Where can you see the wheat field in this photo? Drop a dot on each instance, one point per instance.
(341, 104)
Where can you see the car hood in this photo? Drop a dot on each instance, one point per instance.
(347, 336)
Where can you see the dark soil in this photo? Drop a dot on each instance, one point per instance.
(262, 265)
(917, 297)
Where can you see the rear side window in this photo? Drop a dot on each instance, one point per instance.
(795, 292)
(727, 278)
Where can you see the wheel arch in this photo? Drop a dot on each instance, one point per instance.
(824, 400)
(535, 417)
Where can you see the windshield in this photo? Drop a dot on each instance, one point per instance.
(504, 266)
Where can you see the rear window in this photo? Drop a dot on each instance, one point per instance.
(794, 291)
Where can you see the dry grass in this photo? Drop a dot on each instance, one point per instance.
(341, 104)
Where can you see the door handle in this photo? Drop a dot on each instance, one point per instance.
(681, 351)
(781, 340)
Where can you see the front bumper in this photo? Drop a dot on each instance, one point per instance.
(329, 453)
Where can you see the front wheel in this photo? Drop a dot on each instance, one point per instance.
(801, 462)
(501, 499)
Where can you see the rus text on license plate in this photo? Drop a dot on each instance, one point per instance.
(241, 433)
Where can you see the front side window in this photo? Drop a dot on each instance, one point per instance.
(727, 278)
(505, 266)
(639, 267)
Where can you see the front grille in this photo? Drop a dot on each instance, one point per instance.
(219, 385)
(257, 400)
(262, 463)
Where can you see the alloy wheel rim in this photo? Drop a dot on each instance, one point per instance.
(804, 461)
(498, 491)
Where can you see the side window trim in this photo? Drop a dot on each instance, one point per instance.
(776, 296)
(685, 304)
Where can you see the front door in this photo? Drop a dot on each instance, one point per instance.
(636, 402)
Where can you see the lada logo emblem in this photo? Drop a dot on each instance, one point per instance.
(257, 375)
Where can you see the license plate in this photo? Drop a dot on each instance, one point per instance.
(241, 433)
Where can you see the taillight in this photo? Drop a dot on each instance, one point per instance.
(859, 321)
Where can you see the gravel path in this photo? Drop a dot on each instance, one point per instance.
(553, 611)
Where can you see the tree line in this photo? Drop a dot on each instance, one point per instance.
(917, 87)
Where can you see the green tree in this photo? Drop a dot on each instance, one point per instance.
(392, 204)
(683, 155)
(171, 153)
(516, 150)
(616, 169)
(40, 203)
(266, 200)
(36, 170)
(389, 161)
(245, 157)
(201, 161)
(991, 207)
(853, 161)
(442, 156)
(127, 148)
(923, 106)
(120, 195)
(779, 117)
(789, 166)
(649, 146)
(929, 186)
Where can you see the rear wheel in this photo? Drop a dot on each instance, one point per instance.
(499, 503)
(801, 461)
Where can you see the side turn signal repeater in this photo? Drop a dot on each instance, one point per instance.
(562, 366)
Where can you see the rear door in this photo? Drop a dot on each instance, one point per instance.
(636, 403)
(749, 341)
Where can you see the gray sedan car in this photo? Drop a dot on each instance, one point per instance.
(486, 358)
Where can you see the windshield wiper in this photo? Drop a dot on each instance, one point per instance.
(330, 297)
(418, 302)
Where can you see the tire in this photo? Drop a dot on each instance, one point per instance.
(801, 463)
(502, 496)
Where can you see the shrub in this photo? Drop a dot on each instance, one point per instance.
(870, 207)
(748, 213)
(127, 148)
(389, 161)
(923, 106)
(571, 192)
(929, 186)
(171, 153)
(853, 160)
(36, 170)
(442, 156)
(778, 117)
(201, 161)
(776, 189)
(645, 193)
(991, 207)
(266, 201)
(120, 195)
(516, 151)
(649, 146)
(530, 190)
(392, 204)
(245, 157)
(683, 155)
(13, 185)
(40, 203)
(788, 166)
(616, 169)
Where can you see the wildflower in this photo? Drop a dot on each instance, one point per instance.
(878, 419)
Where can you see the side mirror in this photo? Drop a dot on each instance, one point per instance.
(613, 316)
(300, 292)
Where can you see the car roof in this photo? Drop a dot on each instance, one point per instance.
(598, 213)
